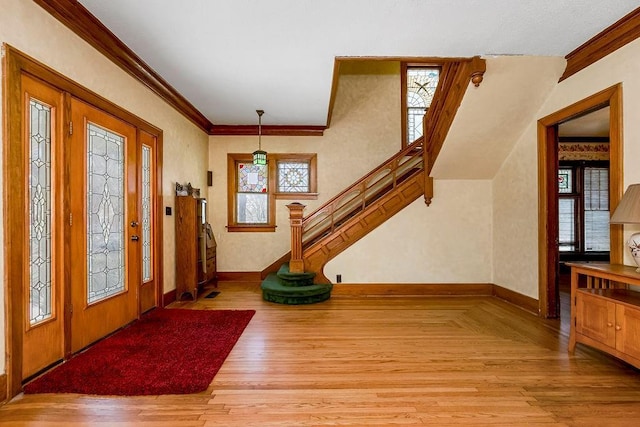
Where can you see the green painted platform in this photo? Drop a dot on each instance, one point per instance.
(284, 287)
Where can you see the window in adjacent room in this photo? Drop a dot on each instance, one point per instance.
(583, 197)
(419, 85)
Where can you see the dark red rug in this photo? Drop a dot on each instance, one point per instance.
(167, 351)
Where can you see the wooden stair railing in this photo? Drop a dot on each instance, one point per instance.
(390, 187)
(361, 194)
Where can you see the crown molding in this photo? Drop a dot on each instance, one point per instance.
(267, 130)
(609, 40)
(79, 20)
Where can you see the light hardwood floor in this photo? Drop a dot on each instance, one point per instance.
(372, 360)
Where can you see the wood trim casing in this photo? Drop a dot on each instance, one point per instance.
(407, 289)
(412, 289)
(84, 24)
(403, 105)
(437, 289)
(525, 302)
(3, 388)
(609, 40)
(547, 204)
(169, 297)
(267, 130)
(232, 225)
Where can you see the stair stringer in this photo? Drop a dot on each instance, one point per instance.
(317, 255)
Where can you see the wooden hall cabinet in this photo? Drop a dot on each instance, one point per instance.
(605, 311)
(195, 247)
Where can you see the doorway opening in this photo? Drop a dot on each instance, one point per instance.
(607, 102)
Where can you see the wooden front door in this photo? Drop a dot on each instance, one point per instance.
(104, 234)
(82, 225)
(81, 180)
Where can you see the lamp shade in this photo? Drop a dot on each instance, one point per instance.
(259, 157)
(628, 210)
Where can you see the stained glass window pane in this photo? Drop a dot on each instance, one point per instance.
(421, 86)
(40, 284)
(565, 181)
(105, 213)
(566, 223)
(147, 254)
(293, 177)
(252, 208)
(252, 178)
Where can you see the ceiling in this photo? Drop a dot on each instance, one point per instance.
(594, 124)
(231, 57)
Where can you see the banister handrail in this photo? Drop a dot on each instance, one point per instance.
(406, 151)
(359, 195)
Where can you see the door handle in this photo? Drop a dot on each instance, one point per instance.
(134, 223)
(135, 238)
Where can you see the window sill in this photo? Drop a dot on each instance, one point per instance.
(296, 196)
(251, 228)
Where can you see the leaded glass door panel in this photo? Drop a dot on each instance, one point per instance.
(43, 338)
(105, 251)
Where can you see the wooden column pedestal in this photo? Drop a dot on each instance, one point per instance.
(296, 265)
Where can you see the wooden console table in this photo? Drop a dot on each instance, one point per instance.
(605, 313)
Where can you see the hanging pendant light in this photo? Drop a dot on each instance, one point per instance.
(259, 156)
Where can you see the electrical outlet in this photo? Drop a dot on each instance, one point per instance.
(338, 278)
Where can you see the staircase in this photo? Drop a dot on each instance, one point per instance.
(362, 207)
(385, 191)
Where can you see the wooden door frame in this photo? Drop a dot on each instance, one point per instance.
(15, 64)
(547, 183)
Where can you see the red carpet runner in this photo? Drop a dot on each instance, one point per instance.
(168, 351)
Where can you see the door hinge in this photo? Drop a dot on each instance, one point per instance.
(70, 219)
(70, 308)
(70, 128)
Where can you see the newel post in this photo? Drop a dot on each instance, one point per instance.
(296, 265)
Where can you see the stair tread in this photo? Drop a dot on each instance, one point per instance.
(284, 273)
(273, 283)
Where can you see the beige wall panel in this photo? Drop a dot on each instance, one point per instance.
(515, 186)
(446, 242)
(365, 130)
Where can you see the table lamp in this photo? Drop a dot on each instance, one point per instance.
(628, 212)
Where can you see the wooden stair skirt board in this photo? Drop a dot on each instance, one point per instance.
(356, 227)
(284, 287)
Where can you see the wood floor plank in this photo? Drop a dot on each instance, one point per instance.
(376, 360)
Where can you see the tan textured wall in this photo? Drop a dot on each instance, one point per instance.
(30, 29)
(446, 242)
(365, 130)
(515, 187)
